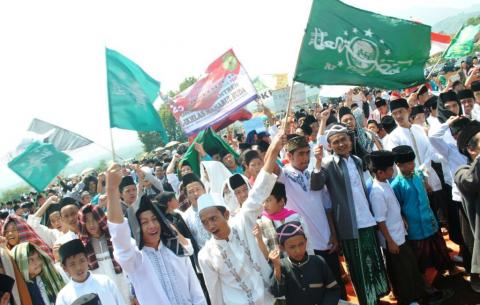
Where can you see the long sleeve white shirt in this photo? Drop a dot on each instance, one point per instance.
(101, 285)
(311, 205)
(449, 152)
(235, 270)
(142, 269)
(424, 155)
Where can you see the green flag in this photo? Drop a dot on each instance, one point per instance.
(39, 164)
(462, 43)
(131, 93)
(344, 45)
(212, 144)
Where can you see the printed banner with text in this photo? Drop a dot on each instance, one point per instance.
(224, 89)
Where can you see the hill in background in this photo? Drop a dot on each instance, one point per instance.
(452, 24)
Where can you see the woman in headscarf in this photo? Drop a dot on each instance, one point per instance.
(94, 234)
(20, 294)
(43, 280)
(16, 231)
(213, 174)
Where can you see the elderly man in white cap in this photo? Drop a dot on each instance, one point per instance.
(235, 269)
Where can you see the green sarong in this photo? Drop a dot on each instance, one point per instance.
(365, 265)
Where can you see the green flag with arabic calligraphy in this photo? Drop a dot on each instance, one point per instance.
(344, 45)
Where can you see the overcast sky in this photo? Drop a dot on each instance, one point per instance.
(52, 63)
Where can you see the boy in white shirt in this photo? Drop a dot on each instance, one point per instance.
(75, 263)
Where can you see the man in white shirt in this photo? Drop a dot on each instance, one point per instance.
(158, 274)
(313, 206)
(236, 270)
(380, 111)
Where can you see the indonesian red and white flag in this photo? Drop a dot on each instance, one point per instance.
(440, 42)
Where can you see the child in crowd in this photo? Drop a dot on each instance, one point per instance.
(74, 260)
(423, 231)
(274, 215)
(402, 267)
(301, 278)
(43, 280)
(93, 232)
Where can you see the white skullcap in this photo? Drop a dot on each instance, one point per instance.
(210, 200)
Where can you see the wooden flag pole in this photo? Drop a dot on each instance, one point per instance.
(289, 106)
(112, 146)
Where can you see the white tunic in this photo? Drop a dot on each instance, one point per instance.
(386, 208)
(416, 138)
(99, 284)
(235, 271)
(105, 267)
(311, 205)
(146, 267)
(49, 236)
(362, 211)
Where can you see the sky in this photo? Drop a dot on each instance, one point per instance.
(52, 54)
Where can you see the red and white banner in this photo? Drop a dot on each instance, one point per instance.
(440, 42)
(225, 88)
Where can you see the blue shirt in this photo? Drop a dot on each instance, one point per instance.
(413, 199)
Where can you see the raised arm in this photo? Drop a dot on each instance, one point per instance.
(264, 183)
(113, 179)
(319, 177)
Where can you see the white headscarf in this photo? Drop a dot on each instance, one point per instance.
(213, 174)
(229, 195)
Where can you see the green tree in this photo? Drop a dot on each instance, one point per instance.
(473, 20)
(152, 139)
(101, 166)
(14, 193)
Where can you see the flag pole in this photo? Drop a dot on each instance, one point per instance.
(443, 53)
(111, 143)
(289, 106)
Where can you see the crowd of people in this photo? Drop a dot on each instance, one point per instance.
(376, 181)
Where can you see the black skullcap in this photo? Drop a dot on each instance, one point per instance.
(466, 134)
(381, 159)
(310, 119)
(262, 146)
(458, 125)
(126, 181)
(307, 130)
(398, 103)
(71, 248)
(223, 153)
(372, 122)
(379, 102)
(88, 299)
(416, 110)
(432, 102)
(475, 86)
(6, 284)
(296, 143)
(449, 96)
(344, 111)
(244, 146)
(288, 230)
(189, 178)
(388, 123)
(403, 154)
(464, 94)
(235, 181)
